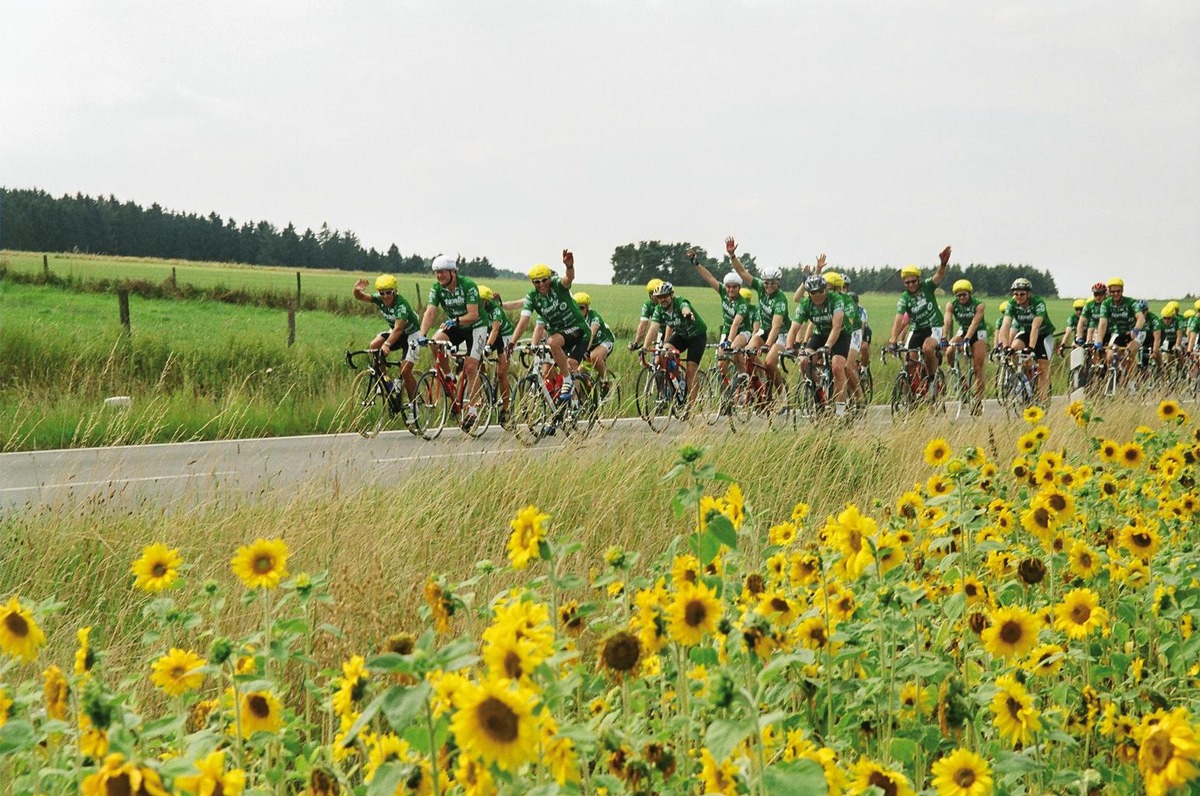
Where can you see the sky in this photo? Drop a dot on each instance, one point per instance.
(1062, 135)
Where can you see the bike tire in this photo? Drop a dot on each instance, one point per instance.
(867, 382)
(529, 412)
(709, 398)
(609, 405)
(431, 407)
(658, 396)
(777, 405)
(583, 406)
(641, 391)
(903, 397)
(740, 400)
(805, 400)
(367, 410)
(937, 401)
(485, 412)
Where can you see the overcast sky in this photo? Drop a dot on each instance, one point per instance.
(1064, 135)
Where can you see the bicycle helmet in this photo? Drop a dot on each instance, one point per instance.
(908, 271)
(1003, 306)
(1196, 306)
(815, 283)
(663, 289)
(652, 285)
(1189, 314)
(1078, 304)
(385, 282)
(444, 262)
(732, 278)
(1116, 281)
(540, 271)
(1021, 283)
(486, 293)
(582, 299)
(1170, 309)
(963, 286)
(1099, 287)
(846, 282)
(1141, 306)
(746, 293)
(834, 280)
(771, 274)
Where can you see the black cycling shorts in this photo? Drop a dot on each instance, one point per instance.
(692, 346)
(574, 343)
(1041, 346)
(840, 347)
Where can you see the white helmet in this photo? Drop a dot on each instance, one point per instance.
(732, 278)
(771, 274)
(444, 262)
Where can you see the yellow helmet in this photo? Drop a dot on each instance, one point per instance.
(1003, 306)
(963, 285)
(1190, 314)
(1116, 281)
(582, 299)
(834, 279)
(746, 293)
(385, 282)
(486, 293)
(1078, 304)
(1170, 309)
(1196, 306)
(909, 270)
(652, 285)
(540, 271)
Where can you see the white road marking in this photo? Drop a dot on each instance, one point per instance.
(112, 481)
(464, 453)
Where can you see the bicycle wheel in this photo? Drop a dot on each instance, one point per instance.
(805, 400)
(431, 406)
(529, 412)
(739, 401)
(609, 404)
(777, 406)
(709, 399)
(937, 398)
(582, 408)
(367, 411)
(903, 396)
(868, 385)
(641, 392)
(485, 408)
(658, 398)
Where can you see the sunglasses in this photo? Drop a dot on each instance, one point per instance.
(387, 292)
(1020, 292)
(541, 281)
(822, 290)
(962, 295)
(911, 281)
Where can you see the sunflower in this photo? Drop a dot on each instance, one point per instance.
(440, 602)
(1061, 503)
(974, 589)
(1012, 634)
(212, 778)
(937, 452)
(175, 673)
(261, 711)
(473, 777)
(962, 772)
(812, 633)
(351, 687)
(117, 776)
(620, 653)
(799, 512)
(718, 777)
(1109, 451)
(157, 568)
(1033, 415)
(1080, 613)
(1085, 564)
(528, 536)
(56, 692)
(937, 486)
(495, 723)
(1168, 752)
(1131, 455)
(782, 534)
(1168, 410)
(693, 611)
(1015, 717)
(779, 607)
(20, 636)
(803, 569)
(1141, 540)
(6, 704)
(685, 568)
(848, 534)
(909, 504)
(916, 702)
(85, 658)
(261, 564)
(891, 782)
(509, 656)
(384, 748)
(93, 741)
(1027, 443)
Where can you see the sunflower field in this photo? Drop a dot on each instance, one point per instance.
(1013, 624)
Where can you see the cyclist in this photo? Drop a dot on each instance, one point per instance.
(819, 324)
(966, 311)
(1120, 323)
(836, 284)
(1169, 331)
(772, 309)
(499, 333)
(647, 311)
(688, 332)
(402, 320)
(1000, 319)
(1027, 324)
(1192, 316)
(919, 303)
(600, 337)
(566, 328)
(864, 350)
(1085, 327)
(458, 296)
(1072, 324)
(736, 323)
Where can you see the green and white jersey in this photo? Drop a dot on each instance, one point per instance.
(1091, 311)
(603, 334)
(1022, 317)
(1153, 322)
(400, 310)
(673, 316)
(770, 306)
(455, 302)
(962, 314)
(1193, 326)
(922, 308)
(731, 308)
(999, 321)
(821, 315)
(852, 321)
(1168, 326)
(492, 312)
(559, 310)
(647, 310)
(1073, 321)
(1121, 317)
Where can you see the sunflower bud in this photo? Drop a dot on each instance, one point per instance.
(1031, 570)
(721, 690)
(221, 651)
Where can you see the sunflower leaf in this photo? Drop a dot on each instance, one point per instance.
(725, 734)
(798, 778)
(720, 527)
(387, 780)
(402, 703)
(364, 719)
(16, 736)
(1015, 763)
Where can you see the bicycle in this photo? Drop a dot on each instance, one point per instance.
(814, 385)
(961, 383)
(537, 411)
(914, 385)
(376, 399)
(661, 388)
(866, 382)
(1014, 383)
(756, 392)
(714, 400)
(440, 396)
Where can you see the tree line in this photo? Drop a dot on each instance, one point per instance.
(33, 220)
(638, 263)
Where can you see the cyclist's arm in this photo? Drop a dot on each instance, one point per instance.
(397, 330)
(469, 317)
(1140, 323)
(519, 329)
(707, 276)
(947, 320)
(595, 328)
(1003, 336)
(651, 334)
(569, 264)
(1034, 328)
(836, 329)
(361, 294)
(494, 333)
(1081, 328)
(776, 328)
(741, 270)
(975, 323)
(800, 293)
(515, 304)
(427, 318)
(793, 334)
(896, 324)
(734, 325)
(1101, 328)
(943, 262)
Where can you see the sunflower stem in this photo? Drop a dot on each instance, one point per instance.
(266, 598)
(433, 757)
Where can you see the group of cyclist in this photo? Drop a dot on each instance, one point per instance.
(757, 327)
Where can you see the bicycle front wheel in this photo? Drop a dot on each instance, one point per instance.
(431, 406)
(583, 406)
(709, 399)
(657, 399)
(740, 400)
(903, 397)
(937, 400)
(529, 411)
(367, 411)
(474, 424)
(868, 386)
(609, 404)
(778, 407)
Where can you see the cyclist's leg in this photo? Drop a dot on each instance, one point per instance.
(561, 360)
(978, 356)
(694, 353)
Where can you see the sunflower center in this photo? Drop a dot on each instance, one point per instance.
(259, 706)
(159, 569)
(177, 672)
(1042, 517)
(622, 651)
(779, 604)
(884, 783)
(1080, 614)
(218, 789)
(964, 777)
(1013, 706)
(264, 564)
(1158, 750)
(694, 613)
(1011, 632)
(1141, 539)
(1058, 502)
(15, 624)
(118, 785)
(818, 636)
(512, 665)
(498, 720)
(1085, 560)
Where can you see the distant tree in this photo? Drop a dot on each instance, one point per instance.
(638, 264)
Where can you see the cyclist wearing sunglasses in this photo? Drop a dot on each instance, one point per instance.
(966, 312)
(1027, 324)
(567, 331)
(459, 297)
(1120, 323)
(402, 320)
(919, 303)
(1085, 327)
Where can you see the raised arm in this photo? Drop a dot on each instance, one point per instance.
(360, 293)
(705, 274)
(569, 264)
(944, 260)
(731, 250)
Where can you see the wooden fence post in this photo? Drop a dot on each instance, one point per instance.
(417, 287)
(123, 304)
(297, 288)
(292, 320)
(174, 282)
(46, 267)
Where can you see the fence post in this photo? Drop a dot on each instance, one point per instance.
(417, 288)
(46, 267)
(123, 304)
(297, 287)
(292, 321)
(174, 282)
